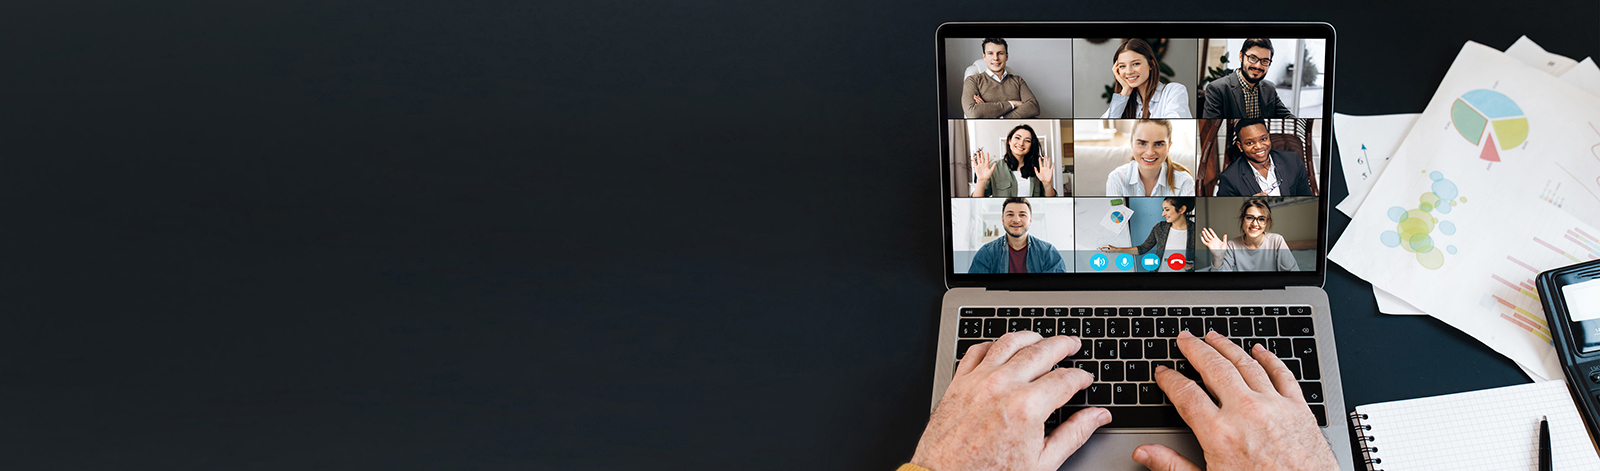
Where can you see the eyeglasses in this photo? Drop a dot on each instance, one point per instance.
(1257, 60)
(1262, 220)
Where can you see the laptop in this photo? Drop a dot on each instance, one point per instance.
(1125, 189)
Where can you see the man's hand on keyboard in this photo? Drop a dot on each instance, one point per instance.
(992, 414)
(1263, 422)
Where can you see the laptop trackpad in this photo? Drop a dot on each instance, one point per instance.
(1114, 451)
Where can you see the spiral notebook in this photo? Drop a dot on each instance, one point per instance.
(1493, 429)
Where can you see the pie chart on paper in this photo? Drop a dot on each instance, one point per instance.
(1489, 118)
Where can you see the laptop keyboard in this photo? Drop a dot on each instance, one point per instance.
(1123, 345)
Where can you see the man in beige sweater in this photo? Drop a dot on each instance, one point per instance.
(996, 92)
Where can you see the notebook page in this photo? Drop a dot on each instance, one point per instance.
(1493, 429)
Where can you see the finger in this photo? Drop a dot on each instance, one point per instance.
(1191, 400)
(1034, 360)
(1248, 368)
(1071, 434)
(1009, 344)
(1161, 458)
(1217, 371)
(972, 358)
(1057, 386)
(1282, 378)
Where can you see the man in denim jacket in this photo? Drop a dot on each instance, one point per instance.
(1017, 252)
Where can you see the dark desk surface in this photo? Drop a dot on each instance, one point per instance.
(605, 235)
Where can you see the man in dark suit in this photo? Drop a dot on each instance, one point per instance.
(1263, 171)
(1246, 94)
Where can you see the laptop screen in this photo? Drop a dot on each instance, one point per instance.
(1197, 159)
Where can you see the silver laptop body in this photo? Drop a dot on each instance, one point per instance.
(985, 300)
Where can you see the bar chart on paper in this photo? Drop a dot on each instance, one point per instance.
(1515, 299)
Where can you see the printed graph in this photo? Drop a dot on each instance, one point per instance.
(1516, 299)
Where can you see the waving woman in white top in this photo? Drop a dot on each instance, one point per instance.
(1139, 92)
(1150, 170)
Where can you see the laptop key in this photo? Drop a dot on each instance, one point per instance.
(1215, 324)
(977, 312)
(1085, 350)
(1111, 371)
(1124, 394)
(1167, 363)
(1098, 394)
(970, 328)
(1130, 349)
(1294, 367)
(1128, 312)
(1033, 312)
(1055, 311)
(1117, 327)
(1070, 327)
(1018, 325)
(1187, 370)
(1008, 311)
(1277, 311)
(994, 328)
(1280, 347)
(1080, 312)
(1155, 311)
(1195, 325)
(1299, 310)
(1080, 398)
(1250, 310)
(1143, 326)
(1240, 327)
(1045, 327)
(1321, 412)
(1150, 394)
(1173, 351)
(1105, 349)
(1205, 311)
(1296, 327)
(1304, 348)
(1251, 343)
(1105, 311)
(1092, 367)
(1312, 391)
(1155, 349)
(1178, 311)
(1267, 327)
(1094, 327)
(963, 345)
(1138, 370)
(1225, 311)
(1310, 368)
(1167, 327)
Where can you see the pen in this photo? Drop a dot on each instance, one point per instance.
(1544, 444)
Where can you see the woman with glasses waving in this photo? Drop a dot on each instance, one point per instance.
(1257, 250)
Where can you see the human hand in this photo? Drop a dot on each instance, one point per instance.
(977, 99)
(1211, 241)
(982, 166)
(1263, 422)
(1015, 104)
(1261, 194)
(992, 414)
(1046, 173)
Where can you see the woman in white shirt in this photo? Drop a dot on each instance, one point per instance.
(1026, 171)
(1171, 236)
(1150, 171)
(1139, 92)
(1258, 250)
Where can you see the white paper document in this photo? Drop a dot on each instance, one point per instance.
(1497, 181)
(1365, 144)
(1530, 53)
(1116, 218)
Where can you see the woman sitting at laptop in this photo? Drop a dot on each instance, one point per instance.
(1169, 236)
(1257, 250)
(1138, 91)
(1026, 173)
(1150, 170)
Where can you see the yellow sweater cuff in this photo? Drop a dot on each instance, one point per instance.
(911, 467)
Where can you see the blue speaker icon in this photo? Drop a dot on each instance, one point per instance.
(1099, 262)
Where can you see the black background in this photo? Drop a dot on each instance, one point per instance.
(507, 235)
